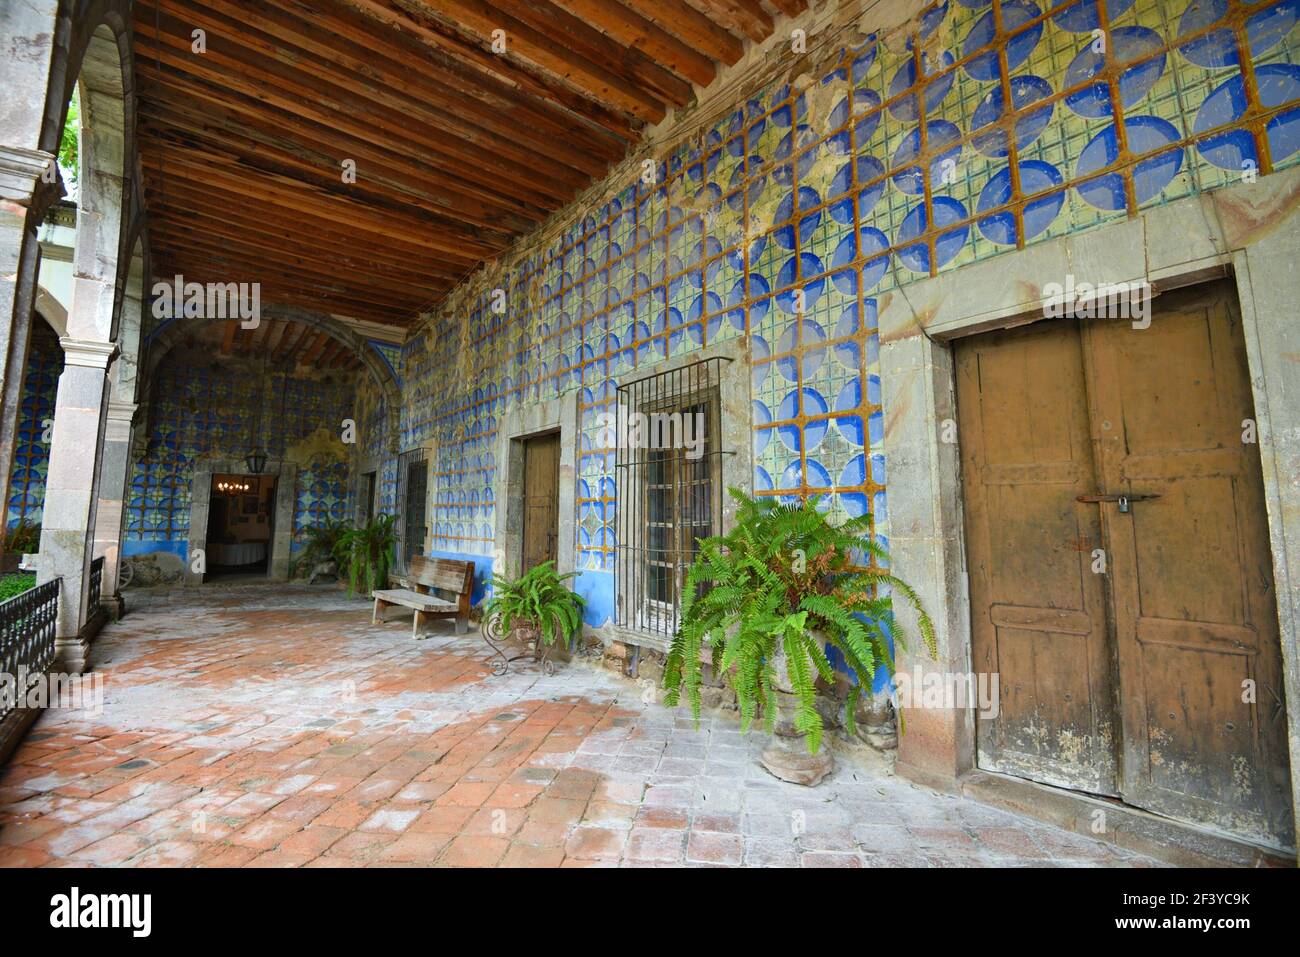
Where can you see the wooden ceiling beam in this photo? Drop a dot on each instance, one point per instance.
(312, 352)
(553, 112)
(549, 20)
(276, 288)
(175, 134)
(791, 8)
(261, 261)
(634, 30)
(397, 114)
(349, 115)
(691, 27)
(282, 194)
(453, 42)
(598, 81)
(330, 351)
(740, 17)
(228, 338)
(175, 95)
(332, 261)
(206, 209)
(382, 74)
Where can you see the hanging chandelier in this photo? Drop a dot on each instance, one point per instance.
(233, 486)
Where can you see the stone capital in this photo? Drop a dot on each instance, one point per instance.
(21, 179)
(118, 418)
(89, 353)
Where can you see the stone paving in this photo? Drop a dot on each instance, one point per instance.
(275, 726)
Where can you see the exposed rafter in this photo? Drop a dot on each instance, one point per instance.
(458, 147)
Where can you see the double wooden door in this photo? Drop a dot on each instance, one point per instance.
(1120, 570)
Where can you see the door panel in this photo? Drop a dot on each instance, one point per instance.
(1194, 603)
(541, 500)
(1038, 612)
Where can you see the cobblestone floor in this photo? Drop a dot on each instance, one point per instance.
(275, 726)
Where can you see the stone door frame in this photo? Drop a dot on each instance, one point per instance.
(279, 561)
(1248, 232)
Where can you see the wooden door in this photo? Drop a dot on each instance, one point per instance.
(541, 500)
(1196, 628)
(1038, 616)
(1175, 643)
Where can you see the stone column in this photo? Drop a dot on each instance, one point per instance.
(26, 189)
(71, 491)
(115, 473)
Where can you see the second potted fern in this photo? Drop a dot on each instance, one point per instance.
(768, 599)
(537, 609)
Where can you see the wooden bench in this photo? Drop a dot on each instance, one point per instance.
(426, 576)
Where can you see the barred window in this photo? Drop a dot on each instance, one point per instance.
(668, 464)
(412, 493)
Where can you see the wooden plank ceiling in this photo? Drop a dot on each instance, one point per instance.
(458, 150)
(278, 343)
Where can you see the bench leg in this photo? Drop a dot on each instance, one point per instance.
(374, 615)
(462, 625)
(415, 624)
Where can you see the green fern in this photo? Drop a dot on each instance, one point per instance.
(785, 577)
(368, 552)
(537, 599)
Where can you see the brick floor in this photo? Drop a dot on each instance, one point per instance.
(276, 727)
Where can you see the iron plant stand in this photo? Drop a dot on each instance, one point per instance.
(533, 647)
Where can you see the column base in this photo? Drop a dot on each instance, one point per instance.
(71, 654)
(114, 606)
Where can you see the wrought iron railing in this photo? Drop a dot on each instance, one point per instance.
(27, 640)
(96, 584)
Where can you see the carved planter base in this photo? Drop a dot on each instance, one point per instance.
(787, 756)
(789, 760)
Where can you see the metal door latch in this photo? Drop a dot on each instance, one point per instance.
(1125, 500)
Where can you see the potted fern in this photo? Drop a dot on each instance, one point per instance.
(767, 599)
(322, 554)
(537, 609)
(368, 551)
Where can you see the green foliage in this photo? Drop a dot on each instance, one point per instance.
(324, 542)
(16, 584)
(68, 157)
(24, 538)
(368, 553)
(537, 599)
(786, 578)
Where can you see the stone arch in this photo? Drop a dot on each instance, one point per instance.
(164, 338)
(106, 171)
(49, 308)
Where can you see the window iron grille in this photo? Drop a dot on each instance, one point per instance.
(668, 469)
(412, 493)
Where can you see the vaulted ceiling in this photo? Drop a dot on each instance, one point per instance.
(458, 149)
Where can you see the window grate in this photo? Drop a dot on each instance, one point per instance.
(668, 465)
(412, 492)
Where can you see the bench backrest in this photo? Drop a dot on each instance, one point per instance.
(444, 574)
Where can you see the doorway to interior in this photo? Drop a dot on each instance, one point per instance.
(241, 527)
(1121, 581)
(541, 500)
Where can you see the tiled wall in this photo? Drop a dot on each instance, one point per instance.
(31, 452)
(856, 186)
(211, 410)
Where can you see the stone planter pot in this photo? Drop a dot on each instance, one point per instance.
(787, 756)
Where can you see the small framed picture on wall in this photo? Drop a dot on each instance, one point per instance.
(250, 504)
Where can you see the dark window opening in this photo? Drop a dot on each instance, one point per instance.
(668, 463)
